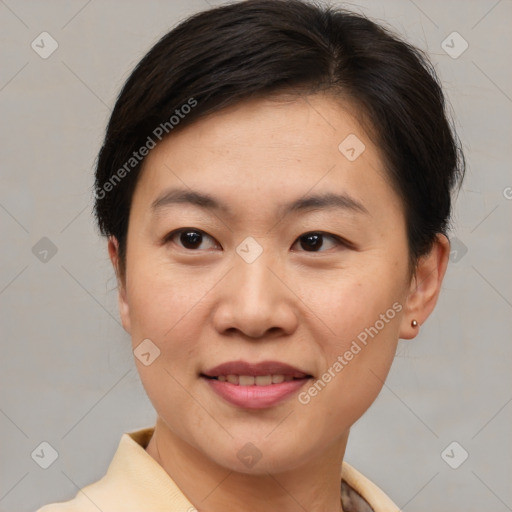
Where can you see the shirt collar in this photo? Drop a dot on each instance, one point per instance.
(135, 474)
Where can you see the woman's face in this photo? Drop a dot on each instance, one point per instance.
(299, 258)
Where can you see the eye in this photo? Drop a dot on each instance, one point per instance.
(314, 241)
(193, 238)
(190, 238)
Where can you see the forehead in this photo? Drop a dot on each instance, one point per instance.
(259, 151)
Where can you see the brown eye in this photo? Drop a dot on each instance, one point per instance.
(314, 241)
(190, 238)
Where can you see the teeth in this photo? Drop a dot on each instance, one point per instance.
(246, 380)
(263, 380)
(233, 379)
(250, 380)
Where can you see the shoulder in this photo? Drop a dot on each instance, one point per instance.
(86, 500)
(133, 482)
(118, 484)
(67, 506)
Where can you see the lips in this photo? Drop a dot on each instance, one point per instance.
(255, 385)
(263, 369)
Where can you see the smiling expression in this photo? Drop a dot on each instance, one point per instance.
(253, 239)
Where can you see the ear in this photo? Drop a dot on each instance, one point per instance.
(124, 309)
(425, 287)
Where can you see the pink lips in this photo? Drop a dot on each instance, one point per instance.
(255, 396)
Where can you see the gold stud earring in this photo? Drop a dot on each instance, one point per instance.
(414, 323)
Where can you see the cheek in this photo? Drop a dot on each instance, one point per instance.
(356, 365)
(363, 319)
(166, 308)
(349, 302)
(160, 295)
(164, 304)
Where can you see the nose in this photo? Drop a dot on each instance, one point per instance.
(256, 301)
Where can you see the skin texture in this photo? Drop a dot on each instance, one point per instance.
(205, 306)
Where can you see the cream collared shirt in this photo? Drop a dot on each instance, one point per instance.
(135, 482)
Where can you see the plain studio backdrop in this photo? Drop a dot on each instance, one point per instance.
(438, 436)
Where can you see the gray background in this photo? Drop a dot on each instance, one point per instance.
(67, 372)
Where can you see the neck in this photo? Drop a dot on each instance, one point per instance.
(312, 487)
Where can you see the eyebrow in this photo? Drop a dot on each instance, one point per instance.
(206, 201)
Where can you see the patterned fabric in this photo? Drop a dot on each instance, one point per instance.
(352, 501)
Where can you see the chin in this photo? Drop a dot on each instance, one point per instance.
(258, 458)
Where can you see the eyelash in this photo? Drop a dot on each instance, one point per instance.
(339, 241)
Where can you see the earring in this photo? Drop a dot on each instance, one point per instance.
(414, 323)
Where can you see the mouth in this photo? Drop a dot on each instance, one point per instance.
(255, 380)
(262, 368)
(255, 385)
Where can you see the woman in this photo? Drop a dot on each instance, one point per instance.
(275, 187)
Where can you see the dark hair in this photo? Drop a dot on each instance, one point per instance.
(254, 48)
